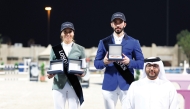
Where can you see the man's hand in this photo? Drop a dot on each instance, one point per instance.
(50, 75)
(126, 60)
(106, 61)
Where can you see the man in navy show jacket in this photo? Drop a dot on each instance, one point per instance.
(116, 82)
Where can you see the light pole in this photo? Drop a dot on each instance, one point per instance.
(48, 9)
(167, 23)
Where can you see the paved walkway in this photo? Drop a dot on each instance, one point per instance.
(38, 95)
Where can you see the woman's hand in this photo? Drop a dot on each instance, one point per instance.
(50, 75)
(80, 75)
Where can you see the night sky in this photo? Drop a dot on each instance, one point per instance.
(146, 20)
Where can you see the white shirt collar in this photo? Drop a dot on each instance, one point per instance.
(117, 39)
(67, 45)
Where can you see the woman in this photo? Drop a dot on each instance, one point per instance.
(66, 87)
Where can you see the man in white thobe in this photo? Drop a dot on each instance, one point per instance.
(153, 91)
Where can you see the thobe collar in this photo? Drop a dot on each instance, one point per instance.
(152, 81)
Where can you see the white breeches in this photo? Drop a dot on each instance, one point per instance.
(68, 94)
(111, 97)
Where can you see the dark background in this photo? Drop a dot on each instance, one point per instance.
(21, 20)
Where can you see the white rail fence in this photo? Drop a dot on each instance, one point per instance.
(9, 72)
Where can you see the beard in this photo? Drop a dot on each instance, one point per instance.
(152, 75)
(118, 30)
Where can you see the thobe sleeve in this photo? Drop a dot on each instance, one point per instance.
(130, 97)
(173, 99)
